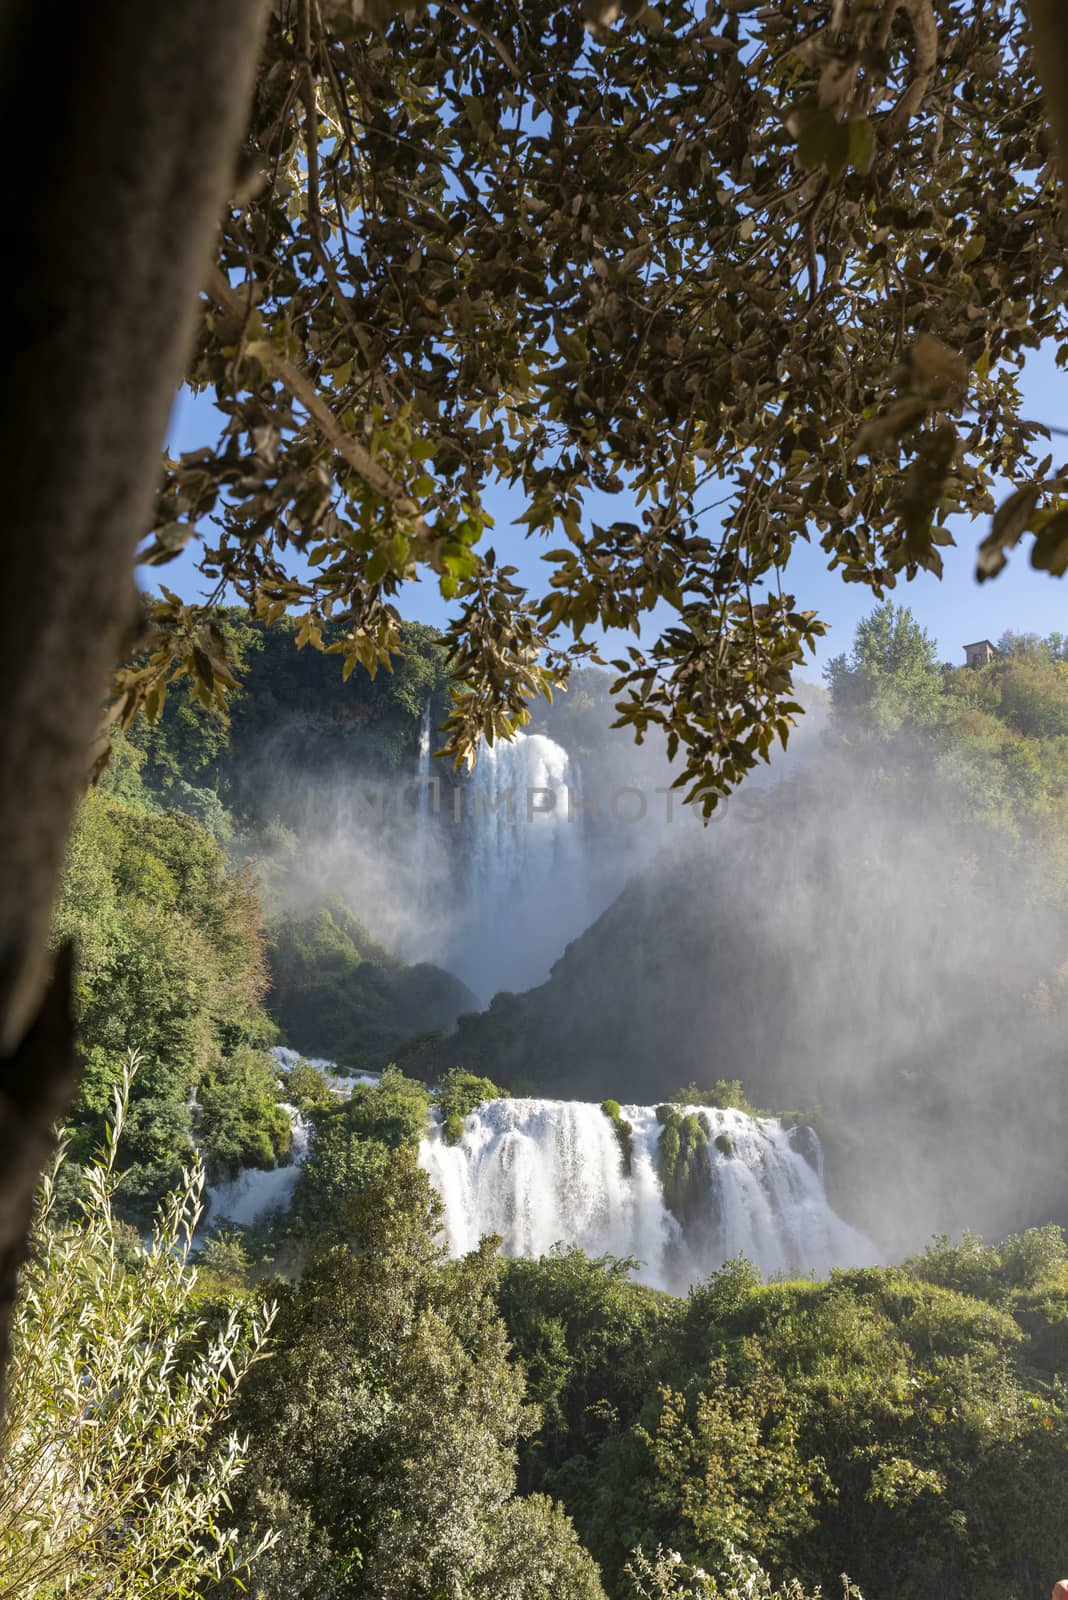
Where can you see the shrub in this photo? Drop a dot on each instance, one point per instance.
(1021, 1261)
(726, 1094)
(460, 1092)
(307, 1088)
(224, 1255)
(740, 1577)
(241, 1122)
(116, 1470)
(452, 1128)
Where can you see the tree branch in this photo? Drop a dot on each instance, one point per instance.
(1049, 35)
(925, 32)
(305, 393)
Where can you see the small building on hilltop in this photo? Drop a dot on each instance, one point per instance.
(979, 654)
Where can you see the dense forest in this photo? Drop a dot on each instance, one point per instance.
(536, 1428)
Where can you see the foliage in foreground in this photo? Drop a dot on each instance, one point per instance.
(668, 1577)
(117, 1469)
(647, 259)
(384, 1428)
(906, 1425)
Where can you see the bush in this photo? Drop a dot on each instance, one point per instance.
(726, 1094)
(224, 1256)
(241, 1122)
(116, 1470)
(350, 1142)
(460, 1092)
(740, 1577)
(307, 1088)
(1021, 1261)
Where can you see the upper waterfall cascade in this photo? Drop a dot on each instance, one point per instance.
(525, 891)
(542, 1173)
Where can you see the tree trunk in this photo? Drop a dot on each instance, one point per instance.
(121, 121)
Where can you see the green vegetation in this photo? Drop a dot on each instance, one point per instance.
(458, 1094)
(995, 735)
(118, 1459)
(170, 956)
(668, 1577)
(241, 1123)
(307, 1088)
(350, 1143)
(292, 705)
(682, 1153)
(624, 1131)
(338, 993)
(383, 1430)
(726, 1094)
(882, 1424)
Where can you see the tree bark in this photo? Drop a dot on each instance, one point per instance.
(121, 121)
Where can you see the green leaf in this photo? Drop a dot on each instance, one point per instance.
(862, 143)
(1050, 550)
(1010, 521)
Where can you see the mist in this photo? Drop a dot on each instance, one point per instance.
(841, 937)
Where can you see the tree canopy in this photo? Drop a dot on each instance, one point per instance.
(697, 284)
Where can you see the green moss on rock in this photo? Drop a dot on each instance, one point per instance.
(452, 1129)
(623, 1130)
(685, 1167)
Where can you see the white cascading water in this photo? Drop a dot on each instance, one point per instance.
(423, 809)
(525, 891)
(542, 1173)
(254, 1193)
(545, 1172)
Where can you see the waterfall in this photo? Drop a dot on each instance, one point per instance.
(545, 1172)
(250, 1196)
(424, 823)
(524, 892)
(542, 1173)
(424, 757)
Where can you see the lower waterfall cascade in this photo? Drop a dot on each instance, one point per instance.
(543, 1174)
(255, 1192)
(548, 1173)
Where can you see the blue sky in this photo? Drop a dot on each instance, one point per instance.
(954, 610)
